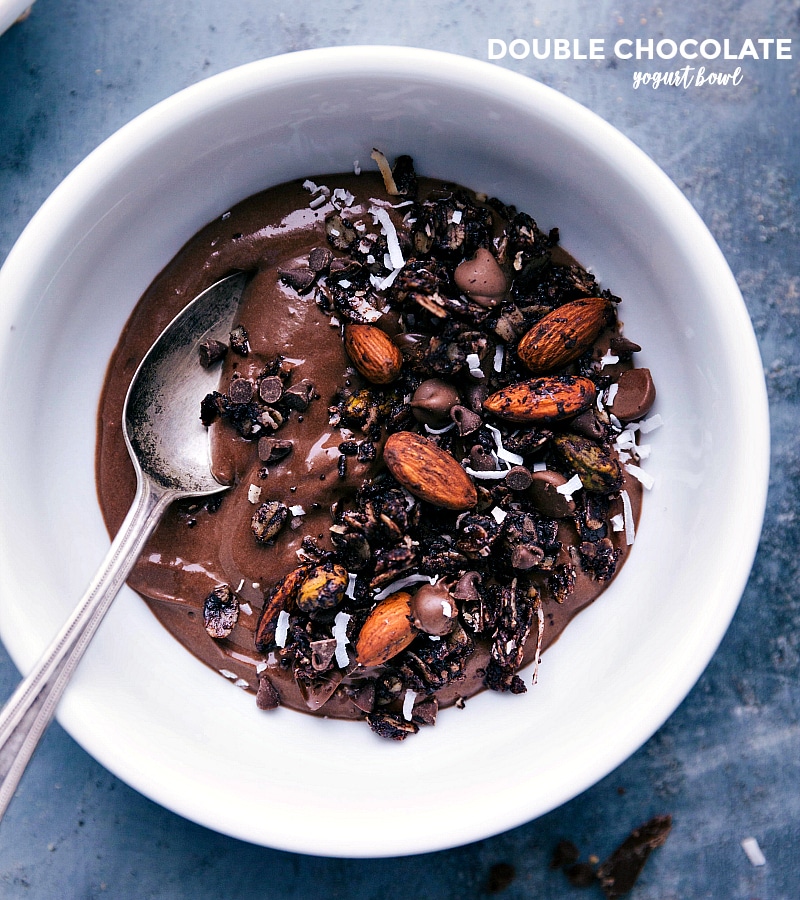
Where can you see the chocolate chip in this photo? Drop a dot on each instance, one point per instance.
(432, 401)
(518, 478)
(240, 340)
(211, 351)
(467, 587)
(546, 498)
(587, 424)
(466, 420)
(271, 449)
(267, 696)
(635, 395)
(481, 460)
(623, 348)
(240, 390)
(270, 389)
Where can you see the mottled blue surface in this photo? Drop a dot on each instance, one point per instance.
(727, 764)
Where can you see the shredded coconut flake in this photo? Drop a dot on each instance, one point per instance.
(382, 283)
(608, 360)
(242, 683)
(261, 667)
(228, 674)
(340, 633)
(753, 852)
(571, 487)
(627, 511)
(498, 514)
(611, 394)
(282, 628)
(457, 216)
(316, 202)
(539, 467)
(494, 475)
(254, 493)
(297, 510)
(640, 475)
(473, 361)
(343, 197)
(408, 703)
(246, 609)
(335, 322)
(447, 609)
(356, 167)
(401, 583)
(395, 253)
(241, 585)
(648, 425)
(618, 522)
(499, 354)
(386, 172)
(309, 185)
(439, 430)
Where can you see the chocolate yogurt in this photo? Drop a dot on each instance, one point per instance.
(425, 416)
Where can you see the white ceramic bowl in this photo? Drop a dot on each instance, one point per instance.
(180, 733)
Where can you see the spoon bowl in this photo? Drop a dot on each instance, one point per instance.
(168, 446)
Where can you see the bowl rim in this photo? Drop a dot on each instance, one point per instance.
(54, 216)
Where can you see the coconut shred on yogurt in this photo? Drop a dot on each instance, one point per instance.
(432, 428)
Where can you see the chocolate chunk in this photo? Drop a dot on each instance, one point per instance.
(425, 711)
(466, 420)
(271, 450)
(220, 611)
(619, 872)
(298, 396)
(587, 425)
(267, 696)
(300, 277)
(240, 340)
(322, 652)
(363, 694)
(581, 875)
(319, 259)
(240, 390)
(268, 520)
(211, 351)
(545, 497)
(501, 876)
(270, 389)
(526, 556)
(635, 395)
(565, 854)
(518, 478)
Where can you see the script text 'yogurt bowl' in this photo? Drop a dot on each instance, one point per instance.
(178, 732)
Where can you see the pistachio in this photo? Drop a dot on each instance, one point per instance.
(322, 588)
(598, 470)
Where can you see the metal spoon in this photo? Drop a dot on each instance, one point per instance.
(170, 453)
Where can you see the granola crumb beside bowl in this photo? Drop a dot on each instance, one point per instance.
(163, 721)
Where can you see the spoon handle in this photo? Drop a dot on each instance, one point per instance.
(28, 712)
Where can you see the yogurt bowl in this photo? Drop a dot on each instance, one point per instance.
(173, 729)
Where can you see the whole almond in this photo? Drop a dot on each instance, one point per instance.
(546, 399)
(373, 353)
(428, 472)
(563, 334)
(386, 631)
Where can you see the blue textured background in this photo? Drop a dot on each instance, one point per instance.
(727, 764)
